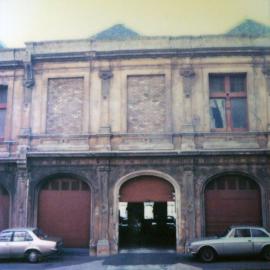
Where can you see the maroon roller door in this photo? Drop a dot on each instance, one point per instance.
(146, 188)
(64, 210)
(4, 209)
(230, 201)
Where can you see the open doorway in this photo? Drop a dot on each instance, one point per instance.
(147, 215)
(147, 224)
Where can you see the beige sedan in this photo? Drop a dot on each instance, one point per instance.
(29, 243)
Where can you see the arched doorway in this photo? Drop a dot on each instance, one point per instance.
(231, 200)
(64, 210)
(147, 216)
(4, 208)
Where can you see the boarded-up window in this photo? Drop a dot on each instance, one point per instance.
(146, 104)
(64, 111)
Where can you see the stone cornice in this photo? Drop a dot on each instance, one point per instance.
(114, 154)
(153, 53)
(137, 53)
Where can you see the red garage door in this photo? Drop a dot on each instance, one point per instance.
(4, 209)
(146, 188)
(64, 210)
(231, 200)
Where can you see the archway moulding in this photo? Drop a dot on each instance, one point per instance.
(133, 175)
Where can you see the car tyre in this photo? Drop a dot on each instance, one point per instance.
(266, 253)
(207, 254)
(33, 256)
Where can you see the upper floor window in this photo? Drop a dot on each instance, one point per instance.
(3, 109)
(228, 102)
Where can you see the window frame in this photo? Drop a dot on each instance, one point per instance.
(228, 96)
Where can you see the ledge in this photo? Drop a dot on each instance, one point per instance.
(149, 153)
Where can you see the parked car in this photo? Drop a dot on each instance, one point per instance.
(240, 240)
(29, 243)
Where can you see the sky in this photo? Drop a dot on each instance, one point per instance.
(38, 20)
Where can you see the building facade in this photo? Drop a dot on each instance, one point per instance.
(90, 126)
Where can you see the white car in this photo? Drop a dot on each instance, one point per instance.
(29, 243)
(240, 240)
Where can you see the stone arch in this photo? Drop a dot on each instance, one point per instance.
(75, 190)
(242, 176)
(158, 174)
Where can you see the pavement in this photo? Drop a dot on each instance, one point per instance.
(139, 259)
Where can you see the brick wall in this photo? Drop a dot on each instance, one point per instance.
(64, 111)
(146, 104)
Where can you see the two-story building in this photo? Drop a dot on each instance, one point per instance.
(113, 140)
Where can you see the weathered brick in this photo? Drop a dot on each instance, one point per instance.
(64, 111)
(146, 104)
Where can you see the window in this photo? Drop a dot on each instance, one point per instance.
(5, 236)
(258, 233)
(242, 233)
(21, 237)
(3, 109)
(228, 102)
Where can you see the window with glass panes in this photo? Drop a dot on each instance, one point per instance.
(228, 102)
(3, 109)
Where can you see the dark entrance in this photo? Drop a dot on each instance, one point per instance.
(4, 209)
(231, 200)
(64, 210)
(147, 213)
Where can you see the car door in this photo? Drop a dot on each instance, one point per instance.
(259, 239)
(5, 240)
(239, 243)
(21, 240)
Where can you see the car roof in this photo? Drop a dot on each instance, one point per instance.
(246, 226)
(19, 229)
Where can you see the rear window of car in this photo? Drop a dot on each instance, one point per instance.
(258, 233)
(40, 234)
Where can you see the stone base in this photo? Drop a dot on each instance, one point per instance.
(103, 247)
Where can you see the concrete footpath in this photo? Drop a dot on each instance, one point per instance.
(134, 260)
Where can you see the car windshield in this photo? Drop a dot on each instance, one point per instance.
(40, 234)
(225, 233)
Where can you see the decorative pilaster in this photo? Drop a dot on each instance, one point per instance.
(103, 245)
(188, 183)
(21, 195)
(188, 79)
(266, 72)
(29, 83)
(188, 75)
(105, 76)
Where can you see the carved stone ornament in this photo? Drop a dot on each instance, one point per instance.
(29, 75)
(187, 72)
(188, 75)
(105, 76)
(266, 72)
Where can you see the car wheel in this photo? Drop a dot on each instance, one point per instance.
(266, 253)
(33, 256)
(207, 254)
